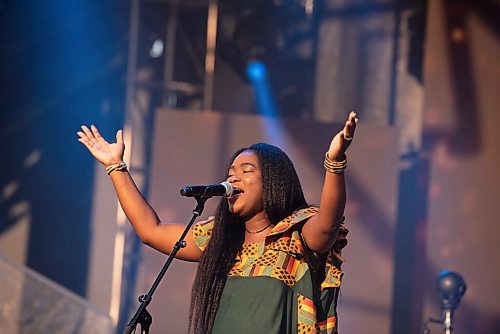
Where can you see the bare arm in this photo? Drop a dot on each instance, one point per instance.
(140, 214)
(321, 230)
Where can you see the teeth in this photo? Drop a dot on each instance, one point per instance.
(236, 192)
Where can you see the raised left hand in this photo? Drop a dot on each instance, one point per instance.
(343, 139)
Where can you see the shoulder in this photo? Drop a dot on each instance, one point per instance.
(295, 220)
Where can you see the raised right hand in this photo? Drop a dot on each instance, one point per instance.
(103, 151)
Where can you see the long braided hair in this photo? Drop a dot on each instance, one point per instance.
(282, 195)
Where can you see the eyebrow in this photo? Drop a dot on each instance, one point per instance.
(244, 164)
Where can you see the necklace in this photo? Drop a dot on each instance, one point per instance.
(255, 232)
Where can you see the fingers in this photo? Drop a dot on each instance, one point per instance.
(83, 137)
(95, 132)
(353, 117)
(90, 143)
(84, 141)
(89, 135)
(350, 126)
(119, 136)
(91, 138)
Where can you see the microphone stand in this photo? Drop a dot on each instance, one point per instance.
(142, 316)
(447, 321)
(447, 315)
(451, 287)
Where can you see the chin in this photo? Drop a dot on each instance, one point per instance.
(231, 209)
(235, 211)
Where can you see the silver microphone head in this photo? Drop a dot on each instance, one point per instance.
(230, 190)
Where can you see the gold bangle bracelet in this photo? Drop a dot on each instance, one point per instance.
(119, 166)
(336, 167)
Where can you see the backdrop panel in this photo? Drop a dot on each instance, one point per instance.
(192, 148)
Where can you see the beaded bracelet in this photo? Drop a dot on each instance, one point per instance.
(336, 167)
(119, 166)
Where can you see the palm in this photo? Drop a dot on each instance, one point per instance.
(106, 153)
(337, 144)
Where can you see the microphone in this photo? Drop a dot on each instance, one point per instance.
(451, 287)
(221, 189)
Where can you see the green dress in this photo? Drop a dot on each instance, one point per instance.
(276, 286)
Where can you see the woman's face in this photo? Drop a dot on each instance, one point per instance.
(245, 175)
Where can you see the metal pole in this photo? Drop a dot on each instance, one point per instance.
(116, 284)
(170, 44)
(210, 55)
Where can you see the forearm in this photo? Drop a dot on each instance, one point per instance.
(140, 214)
(146, 223)
(332, 204)
(321, 231)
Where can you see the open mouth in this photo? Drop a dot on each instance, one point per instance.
(236, 192)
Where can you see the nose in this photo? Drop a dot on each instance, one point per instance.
(232, 179)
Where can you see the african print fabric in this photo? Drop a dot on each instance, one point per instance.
(273, 288)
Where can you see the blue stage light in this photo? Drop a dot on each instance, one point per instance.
(256, 71)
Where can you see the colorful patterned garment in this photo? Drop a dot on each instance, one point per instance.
(276, 286)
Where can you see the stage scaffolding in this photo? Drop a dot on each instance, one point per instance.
(363, 55)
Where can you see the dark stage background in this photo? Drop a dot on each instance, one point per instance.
(423, 182)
